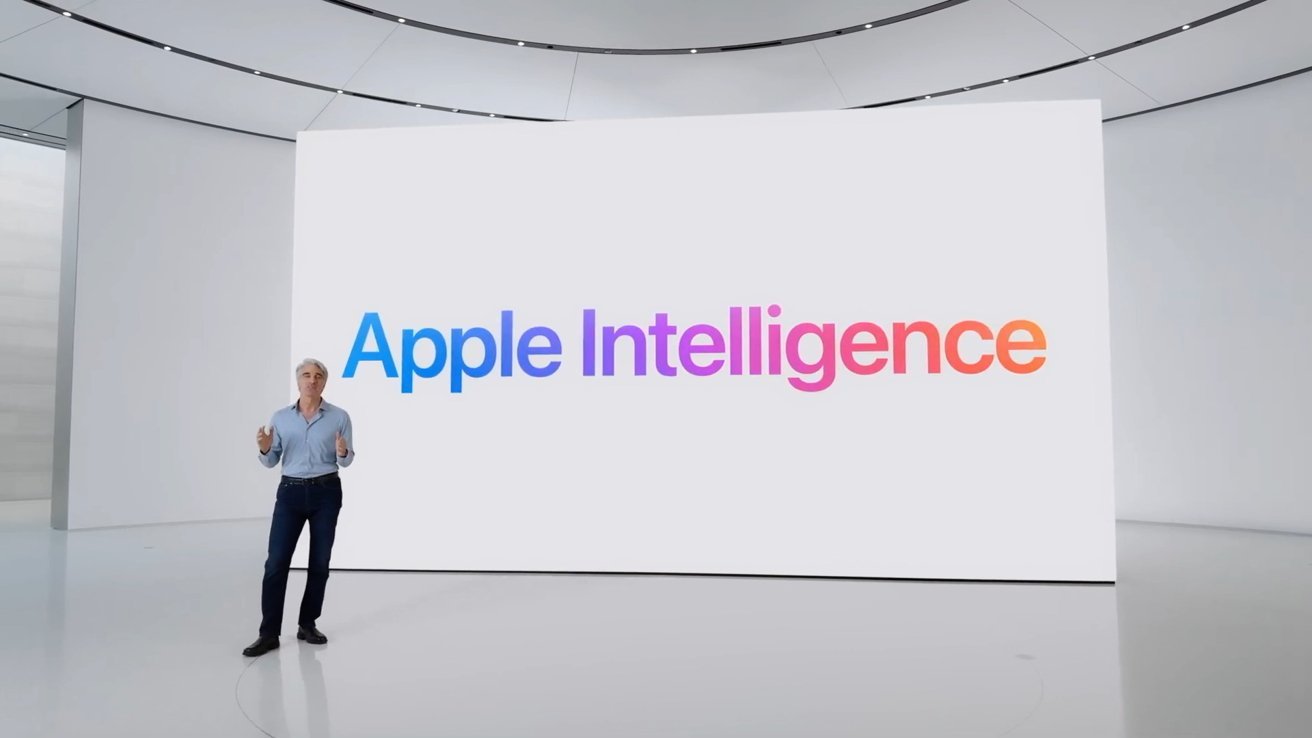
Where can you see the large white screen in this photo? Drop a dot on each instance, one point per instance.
(989, 213)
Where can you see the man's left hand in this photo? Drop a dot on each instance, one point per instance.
(341, 446)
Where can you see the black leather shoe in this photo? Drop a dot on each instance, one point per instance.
(311, 635)
(261, 646)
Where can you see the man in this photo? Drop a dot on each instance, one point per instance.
(313, 439)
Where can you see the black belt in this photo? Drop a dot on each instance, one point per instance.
(330, 476)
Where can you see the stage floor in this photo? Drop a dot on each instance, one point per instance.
(138, 632)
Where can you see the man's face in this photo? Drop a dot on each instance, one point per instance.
(310, 382)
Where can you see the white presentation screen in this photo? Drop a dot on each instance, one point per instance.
(850, 343)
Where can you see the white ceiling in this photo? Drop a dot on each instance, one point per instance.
(647, 24)
(319, 42)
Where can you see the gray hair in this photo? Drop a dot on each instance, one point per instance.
(311, 362)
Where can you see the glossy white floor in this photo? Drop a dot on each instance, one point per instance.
(138, 631)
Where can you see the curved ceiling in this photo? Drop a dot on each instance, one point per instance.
(643, 27)
(306, 50)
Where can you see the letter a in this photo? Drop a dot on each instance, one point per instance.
(371, 323)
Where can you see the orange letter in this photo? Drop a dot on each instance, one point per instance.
(1006, 346)
(953, 351)
(900, 333)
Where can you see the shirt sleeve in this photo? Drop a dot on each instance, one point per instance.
(349, 437)
(275, 450)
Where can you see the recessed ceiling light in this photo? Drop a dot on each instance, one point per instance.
(928, 96)
(870, 25)
(966, 88)
(418, 105)
(1005, 81)
(67, 14)
(1092, 58)
(339, 92)
(1185, 27)
(400, 20)
(257, 71)
(491, 115)
(692, 51)
(455, 110)
(521, 43)
(168, 48)
(26, 135)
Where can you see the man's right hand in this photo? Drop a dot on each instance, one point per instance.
(264, 437)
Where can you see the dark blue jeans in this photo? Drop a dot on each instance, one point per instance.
(313, 501)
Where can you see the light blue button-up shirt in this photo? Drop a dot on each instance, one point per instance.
(309, 448)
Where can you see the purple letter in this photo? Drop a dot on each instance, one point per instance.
(825, 364)
(608, 336)
(687, 349)
(589, 342)
(662, 332)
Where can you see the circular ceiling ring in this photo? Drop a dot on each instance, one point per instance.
(709, 49)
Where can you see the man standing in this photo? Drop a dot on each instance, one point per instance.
(313, 439)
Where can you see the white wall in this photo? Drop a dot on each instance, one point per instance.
(184, 259)
(31, 203)
(180, 333)
(1210, 240)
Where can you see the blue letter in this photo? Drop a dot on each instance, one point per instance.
(458, 368)
(525, 351)
(370, 324)
(409, 371)
(507, 340)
